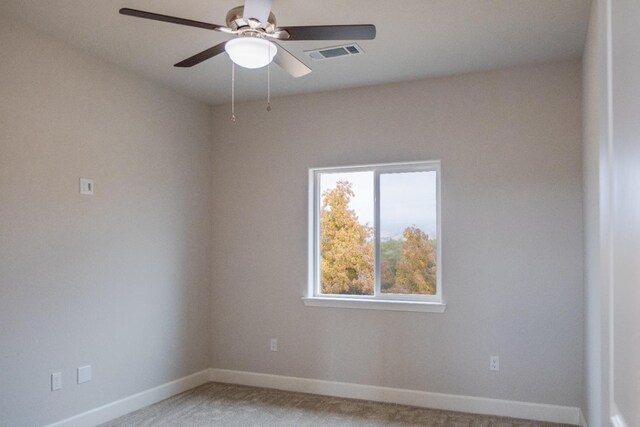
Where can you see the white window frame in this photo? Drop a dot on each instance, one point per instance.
(396, 302)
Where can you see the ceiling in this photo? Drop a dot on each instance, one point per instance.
(416, 39)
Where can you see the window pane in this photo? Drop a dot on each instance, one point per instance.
(408, 238)
(346, 233)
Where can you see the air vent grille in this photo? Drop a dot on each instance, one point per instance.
(334, 52)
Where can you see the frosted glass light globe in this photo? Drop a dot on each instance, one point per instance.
(250, 52)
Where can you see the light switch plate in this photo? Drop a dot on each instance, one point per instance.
(84, 374)
(86, 187)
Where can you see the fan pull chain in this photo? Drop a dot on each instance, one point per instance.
(233, 91)
(269, 79)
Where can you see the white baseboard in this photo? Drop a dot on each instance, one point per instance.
(583, 420)
(476, 405)
(618, 421)
(132, 403)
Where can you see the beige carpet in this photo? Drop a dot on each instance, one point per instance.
(216, 404)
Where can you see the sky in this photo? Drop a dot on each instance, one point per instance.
(406, 199)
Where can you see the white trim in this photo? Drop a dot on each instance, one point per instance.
(377, 285)
(416, 165)
(375, 304)
(449, 402)
(312, 232)
(608, 211)
(618, 421)
(583, 420)
(134, 402)
(313, 225)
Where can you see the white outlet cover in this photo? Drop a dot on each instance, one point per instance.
(274, 344)
(494, 363)
(84, 374)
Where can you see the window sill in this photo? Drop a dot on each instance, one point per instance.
(368, 304)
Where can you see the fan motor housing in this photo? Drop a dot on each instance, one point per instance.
(236, 21)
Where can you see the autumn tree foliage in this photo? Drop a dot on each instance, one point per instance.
(416, 268)
(407, 265)
(346, 246)
(390, 251)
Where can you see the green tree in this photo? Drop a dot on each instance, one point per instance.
(416, 268)
(346, 247)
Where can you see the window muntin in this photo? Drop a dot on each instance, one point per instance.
(375, 232)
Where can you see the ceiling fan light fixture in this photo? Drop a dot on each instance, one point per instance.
(251, 52)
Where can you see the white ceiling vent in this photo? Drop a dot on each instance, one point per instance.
(334, 52)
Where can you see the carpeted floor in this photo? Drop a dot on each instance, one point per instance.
(216, 404)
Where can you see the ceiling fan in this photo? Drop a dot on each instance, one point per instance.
(255, 43)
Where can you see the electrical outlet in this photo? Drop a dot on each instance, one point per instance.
(274, 344)
(84, 374)
(56, 381)
(494, 363)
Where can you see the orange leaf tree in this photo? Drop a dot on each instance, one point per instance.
(416, 268)
(346, 247)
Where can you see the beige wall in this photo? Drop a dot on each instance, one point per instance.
(119, 280)
(510, 145)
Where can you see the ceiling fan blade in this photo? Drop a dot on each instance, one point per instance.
(290, 63)
(202, 56)
(257, 9)
(171, 19)
(331, 32)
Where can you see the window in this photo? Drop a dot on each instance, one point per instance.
(374, 237)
